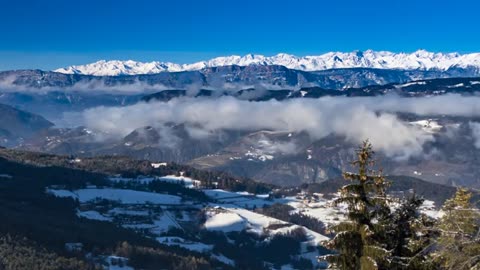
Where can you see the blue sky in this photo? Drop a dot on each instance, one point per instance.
(50, 34)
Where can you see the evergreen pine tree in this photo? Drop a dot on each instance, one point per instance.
(459, 227)
(409, 236)
(356, 240)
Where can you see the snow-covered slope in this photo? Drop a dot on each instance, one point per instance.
(420, 59)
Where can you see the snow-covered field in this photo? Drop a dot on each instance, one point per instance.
(228, 218)
(124, 196)
(157, 214)
(231, 218)
(326, 213)
(230, 211)
(225, 221)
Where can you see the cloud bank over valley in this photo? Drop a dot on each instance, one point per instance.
(356, 119)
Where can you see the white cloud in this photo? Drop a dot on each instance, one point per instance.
(475, 127)
(354, 118)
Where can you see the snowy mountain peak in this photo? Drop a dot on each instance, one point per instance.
(421, 59)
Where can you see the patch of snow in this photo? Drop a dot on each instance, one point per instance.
(256, 222)
(456, 85)
(128, 212)
(223, 259)
(76, 160)
(161, 224)
(322, 210)
(61, 193)
(190, 245)
(231, 217)
(93, 215)
(313, 238)
(164, 223)
(411, 83)
(428, 208)
(158, 165)
(114, 261)
(224, 222)
(240, 200)
(139, 179)
(259, 155)
(220, 193)
(186, 181)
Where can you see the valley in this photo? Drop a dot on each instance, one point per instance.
(237, 166)
(239, 135)
(156, 205)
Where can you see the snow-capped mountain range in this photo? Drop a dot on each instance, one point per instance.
(419, 60)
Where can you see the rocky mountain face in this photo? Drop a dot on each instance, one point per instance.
(17, 125)
(221, 78)
(421, 88)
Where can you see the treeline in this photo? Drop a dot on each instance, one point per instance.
(26, 209)
(103, 166)
(230, 183)
(20, 253)
(251, 251)
(374, 236)
(150, 258)
(48, 222)
(284, 212)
